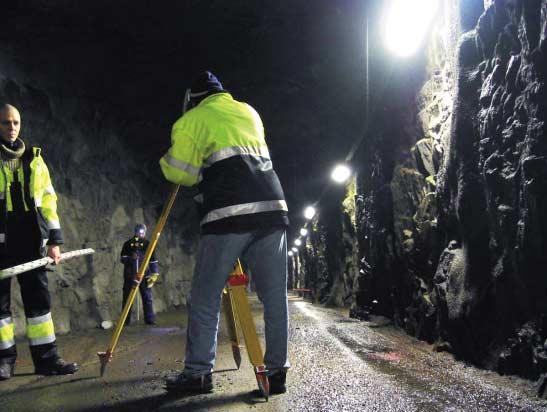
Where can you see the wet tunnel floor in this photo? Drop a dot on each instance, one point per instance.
(338, 364)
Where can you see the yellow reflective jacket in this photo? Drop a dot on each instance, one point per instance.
(38, 195)
(220, 146)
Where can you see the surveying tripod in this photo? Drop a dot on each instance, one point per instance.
(238, 315)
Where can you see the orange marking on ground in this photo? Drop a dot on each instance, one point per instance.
(386, 356)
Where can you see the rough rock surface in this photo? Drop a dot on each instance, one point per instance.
(485, 294)
(493, 187)
(451, 197)
(329, 258)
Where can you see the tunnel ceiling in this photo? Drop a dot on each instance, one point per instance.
(301, 65)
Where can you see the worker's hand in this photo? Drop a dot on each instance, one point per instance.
(54, 252)
(152, 279)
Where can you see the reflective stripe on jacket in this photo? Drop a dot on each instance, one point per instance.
(39, 196)
(220, 145)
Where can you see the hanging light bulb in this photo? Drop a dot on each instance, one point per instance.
(341, 173)
(309, 212)
(406, 24)
(303, 232)
(297, 242)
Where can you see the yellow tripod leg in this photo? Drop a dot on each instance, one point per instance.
(242, 310)
(241, 304)
(106, 357)
(231, 322)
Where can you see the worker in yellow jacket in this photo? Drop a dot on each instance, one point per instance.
(219, 146)
(29, 228)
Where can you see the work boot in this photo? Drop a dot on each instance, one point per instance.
(277, 382)
(6, 369)
(190, 384)
(56, 366)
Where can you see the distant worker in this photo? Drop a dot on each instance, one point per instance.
(132, 256)
(29, 228)
(219, 145)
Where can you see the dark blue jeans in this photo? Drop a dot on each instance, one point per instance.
(264, 252)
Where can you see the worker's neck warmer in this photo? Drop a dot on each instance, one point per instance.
(12, 150)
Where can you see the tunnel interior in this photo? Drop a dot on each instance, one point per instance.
(441, 226)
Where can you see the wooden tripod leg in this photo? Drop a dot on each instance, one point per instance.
(241, 305)
(231, 322)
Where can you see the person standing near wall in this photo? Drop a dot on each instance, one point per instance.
(132, 255)
(29, 228)
(219, 145)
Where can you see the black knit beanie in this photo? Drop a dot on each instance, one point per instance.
(205, 83)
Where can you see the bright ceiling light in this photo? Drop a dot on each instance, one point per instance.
(303, 232)
(290, 253)
(341, 173)
(309, 212)
(297, 242)
(406, 24)
(294, 250)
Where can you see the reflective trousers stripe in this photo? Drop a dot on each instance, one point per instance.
(42, 341)
(7, 334)
(245, 209)
(40, 330)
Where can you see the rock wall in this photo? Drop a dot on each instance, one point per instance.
(456, 259)
(396, 205)
(327, 262)
(103, 189)
(451, 192)
(491, 279)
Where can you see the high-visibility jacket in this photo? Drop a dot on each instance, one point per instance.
(38, 196)
(219, 145)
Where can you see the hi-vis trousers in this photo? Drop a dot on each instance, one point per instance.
(23, 244)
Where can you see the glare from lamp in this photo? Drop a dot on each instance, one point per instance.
(309, 212)
(407, 23)
(290, 253)
(341, 173)
(303, 232)
(297, 242)
(294, 250)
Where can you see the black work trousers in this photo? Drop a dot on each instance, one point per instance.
(23, 244)
(147, 300)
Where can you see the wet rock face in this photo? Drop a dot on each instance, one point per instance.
(397, 215)
(493, 183)
(450, 204)
(490, 189)
(329, 263)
